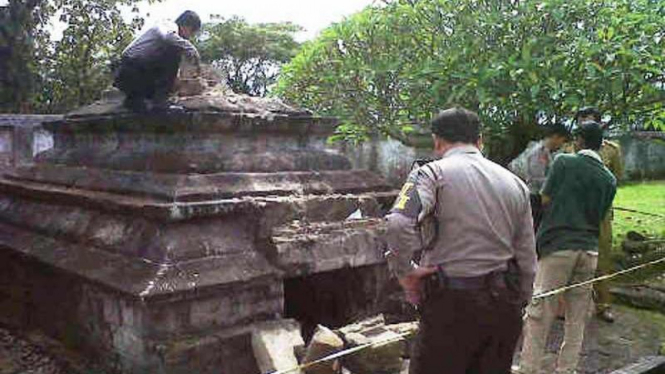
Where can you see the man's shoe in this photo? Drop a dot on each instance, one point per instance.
(165, 106)
(606, 315)
(170, 108)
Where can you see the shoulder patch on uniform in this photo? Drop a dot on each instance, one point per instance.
(408, 201)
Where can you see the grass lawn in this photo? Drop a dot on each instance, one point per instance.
(646, 197)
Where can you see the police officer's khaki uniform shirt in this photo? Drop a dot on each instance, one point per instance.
(610, 152)
(482, 215)
(532, 164)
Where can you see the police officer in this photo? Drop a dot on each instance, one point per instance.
(532, 164)
(150, 64)
(610, 153)
(476, 274)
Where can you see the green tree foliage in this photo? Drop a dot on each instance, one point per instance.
(56, 76)
(20, 23)
(77, 68)
(519, 63)
(249, 54)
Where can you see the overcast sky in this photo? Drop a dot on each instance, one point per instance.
(313, 15)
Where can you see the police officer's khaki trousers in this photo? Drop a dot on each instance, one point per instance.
(605, 263)
(557, 270)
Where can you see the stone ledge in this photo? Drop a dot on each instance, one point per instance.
(197, 121)
(198, 187)
(178, 211)
(320, 247)
(140, 279)
(116, 203)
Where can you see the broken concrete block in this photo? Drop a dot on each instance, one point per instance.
(274, 345)
(324, 343)
(386, 345)
(408, 330)
(376, 325)
(382, 358)
(379, 359)
(364, 325)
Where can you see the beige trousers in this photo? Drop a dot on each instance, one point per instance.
(557, 270)
(605, 263)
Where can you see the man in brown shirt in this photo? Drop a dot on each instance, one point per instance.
(466, 286)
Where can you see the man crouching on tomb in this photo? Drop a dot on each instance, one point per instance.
(149, 65)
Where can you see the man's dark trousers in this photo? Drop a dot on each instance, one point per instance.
(466, 331)
(151, 78)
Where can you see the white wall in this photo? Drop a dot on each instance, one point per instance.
(387, 157)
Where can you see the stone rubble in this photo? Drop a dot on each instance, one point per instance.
(324, 343)
(206, 94)
(275, 344)
(645, 288)
(36, 354)
(386, 357)
(382, 358)
(645, 296)
(608, 347)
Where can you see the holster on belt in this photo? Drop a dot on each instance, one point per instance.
(510, 279)
(513, 276)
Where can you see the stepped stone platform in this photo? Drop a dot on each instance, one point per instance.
(154, 242)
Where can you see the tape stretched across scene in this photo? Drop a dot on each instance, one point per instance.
(400, 337)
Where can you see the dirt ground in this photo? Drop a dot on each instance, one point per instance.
(607, 347)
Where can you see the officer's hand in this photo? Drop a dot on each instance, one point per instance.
(412, 283)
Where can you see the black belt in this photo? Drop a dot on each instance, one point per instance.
(440, 280)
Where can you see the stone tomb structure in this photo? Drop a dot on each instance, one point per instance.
(154, 242)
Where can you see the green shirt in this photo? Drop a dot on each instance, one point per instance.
(582, 190)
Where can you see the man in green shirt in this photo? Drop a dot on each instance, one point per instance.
(610, 152)
(578, 192)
